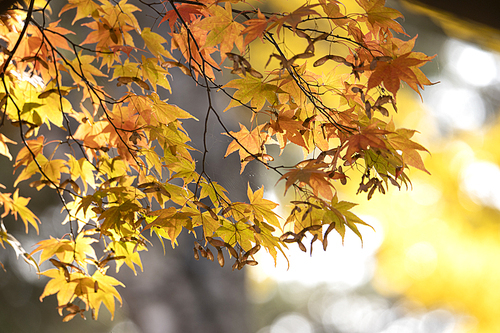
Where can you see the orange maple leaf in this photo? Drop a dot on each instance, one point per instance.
(369, 137)
(256, 28)
(252, 141)
(288, 129)
(191, 45)
(402, 68)
(188, 13)
(309, 172)
(400, 140)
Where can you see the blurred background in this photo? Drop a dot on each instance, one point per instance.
(429, 267)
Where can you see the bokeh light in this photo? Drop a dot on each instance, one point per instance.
(471, 64)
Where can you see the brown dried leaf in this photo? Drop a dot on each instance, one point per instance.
(210, 255)
(141, 83)
(123, 80)
(201, 204)
(253, 250)
(47, 93)
(267, 158)
(213, 215)
(144, 185)
(196, 254)
(315, 238)
(321, 61)
(182, 67)
(231, 250)
(68, 317)
(215, 242)
(268, 226)
(62, 266)
(368, 109)
(372, 190)
(284, 237)
(220, 257)
(255, 73)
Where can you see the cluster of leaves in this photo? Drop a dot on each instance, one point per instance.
(126, 166)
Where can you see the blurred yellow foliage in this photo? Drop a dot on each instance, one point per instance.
(441, 243)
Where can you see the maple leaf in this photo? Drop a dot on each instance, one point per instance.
(165, 113)
(84, 8)
(253, 90)
(105, 36)
(223, 30)
(345, 217)
(309, 172)
(248, 143)
(295, 17)
(214, 191)
(369, 137)
(170, 223)
(288, 129)
(49, 170)
(270, 243)
(256, 27)
(105, 293)
(83, 248)
(129, 252)
(207, 221)
(85, 71)
(153, 42)
(61, 248)
(154, 73)
(402, 68)
(83, 169)
(190, 44)
(4, 150)
(188, 13)
(233, 233)
(400, 140)
(262, 209)
(25, 155)
(60, 284)
(380, 16)
(332, 10)
(114, 216)
(17, 205)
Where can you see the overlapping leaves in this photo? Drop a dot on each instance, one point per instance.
(129, 169)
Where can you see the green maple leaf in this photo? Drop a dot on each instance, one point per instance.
(253, 90)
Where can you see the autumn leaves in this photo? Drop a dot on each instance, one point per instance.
(129, 168)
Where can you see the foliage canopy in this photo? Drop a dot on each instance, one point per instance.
(125, 168)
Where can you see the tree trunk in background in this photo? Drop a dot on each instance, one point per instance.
(176, 293)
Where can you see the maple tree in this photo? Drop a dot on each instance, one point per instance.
(125, 170)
